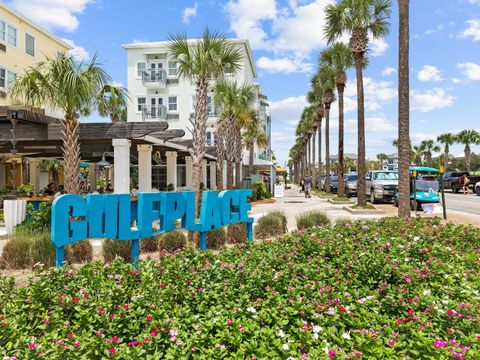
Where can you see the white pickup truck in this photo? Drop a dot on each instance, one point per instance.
(477, 188)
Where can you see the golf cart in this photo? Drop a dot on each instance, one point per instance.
(427, 186)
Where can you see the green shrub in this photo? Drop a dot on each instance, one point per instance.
(42, 250)
(149, 244)
(270, 225)
(16, 253)
(36, 220)
(216, 239)
(311, 219)
(79, 252)
(173, 240)
(259, 190)
(117, 248)
(237, 233)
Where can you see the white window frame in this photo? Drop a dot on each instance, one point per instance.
(8, 79)
(176, 103)
(136, 68)
(33, 38)
(138, 104)
(4, 77)
(171, 68)
(7, 35)
(3, 33)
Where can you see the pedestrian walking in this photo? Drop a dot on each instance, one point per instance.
(308, 184)
(302, 185)
(466, 183)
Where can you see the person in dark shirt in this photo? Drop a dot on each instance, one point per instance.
(50, 190)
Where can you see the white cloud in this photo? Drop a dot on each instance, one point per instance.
(372, 124)
(456, 80)
(470, 70)
(288, 110)
(429, 100)
(387, 71)
(52, 14)
(472, 30)
(283, 65)
(473, 1)
(374, 90)
(429, 73)
(378, 47)
(79, 52)
(189, 12)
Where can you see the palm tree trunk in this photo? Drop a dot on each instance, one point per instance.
(468, 154)
(309, 154)
(313, 170)
(361, 188)
(445, 161)
(230, 150)
(320, 154)
(220, 148)
(327, 147)
(71, 154)
(340, 90)
(403, 111)
(250, 161)
(238, 157)
(199, 134)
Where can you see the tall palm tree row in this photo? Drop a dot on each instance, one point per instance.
(467, 138)
(340, 58)
(252, 136)
(208, 58)
(426, 148)
(358, 19)
(448, 139)
(74, 88)
(315, 98)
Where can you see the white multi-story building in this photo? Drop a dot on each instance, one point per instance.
(158, 94)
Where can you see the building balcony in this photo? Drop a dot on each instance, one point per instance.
(158, 112)
(154, 78)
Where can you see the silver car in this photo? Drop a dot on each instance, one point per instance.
(381, 185)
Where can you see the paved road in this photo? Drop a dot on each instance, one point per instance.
(467, 203)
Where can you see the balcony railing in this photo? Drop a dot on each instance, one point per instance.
(151, 76)
(154, 112)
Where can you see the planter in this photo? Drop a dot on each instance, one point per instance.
(336, 202)
(14, 212)
(360, 211)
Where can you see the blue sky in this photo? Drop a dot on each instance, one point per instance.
(286, 37)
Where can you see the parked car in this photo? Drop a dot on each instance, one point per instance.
(350, 185)
(381, 185)
(454, 180)
(426, 187)
(317, 178)
(333, 184)
(477, 188)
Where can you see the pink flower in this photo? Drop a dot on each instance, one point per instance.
(149, 317)
(75, 300)
(70, 336)
(357, 353)
(99, 332)
(407, 279)
(450, 312)
(229, 322)
(125, 306)
(391, 342)
(153, 333)
(32, 346)
(76, 343)
(112, 351)
(439, 344)
(332, 353)
(114, 339)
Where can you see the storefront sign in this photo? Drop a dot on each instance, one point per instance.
(116, 216)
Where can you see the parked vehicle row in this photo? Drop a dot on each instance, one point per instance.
(381, 185)
(455, 180)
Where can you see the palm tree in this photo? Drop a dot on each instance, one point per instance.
(447, 139)
(235, 102)
(112, 102)
(467, 137)
(416, 155)
(207, 58)
(254, 135)
(340, 58)
(71, 87)
(315, 98)
(404, 110)
(381, 158)
(427, 147)
(358, 19)
(326, 76)
(53, 168)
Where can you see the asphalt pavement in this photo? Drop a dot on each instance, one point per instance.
(469, 203)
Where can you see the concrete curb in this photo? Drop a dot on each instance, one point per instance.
(363, 211)
(333, 201)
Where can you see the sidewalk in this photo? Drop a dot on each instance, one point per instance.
(295, 203)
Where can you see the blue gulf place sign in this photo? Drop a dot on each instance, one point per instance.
(75, 218)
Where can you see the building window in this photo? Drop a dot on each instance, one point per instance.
(12, 35)
(172, 103)
(3, 73)
(211, 108)
(141, 103)
(172, 68)
(141, 66)
(29, 44)
(10, 77)
(2, 30)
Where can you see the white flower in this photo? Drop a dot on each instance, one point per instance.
(426, 292)
(251, 309)
(281, 334)
(285, 347)
(416, 238)
(346, 335)
(317, 329)
(326, 348)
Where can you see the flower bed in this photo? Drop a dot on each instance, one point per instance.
(388, 290)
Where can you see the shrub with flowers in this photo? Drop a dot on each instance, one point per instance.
(388, 290)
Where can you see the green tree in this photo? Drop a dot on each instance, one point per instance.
(112, 102)
(252, 136)
(71, 87)
(315, 98)
(467, 138)
(340, 58)
(381, 158)
(447, 139)
(426, 148)
(207, 58)
(358, 19)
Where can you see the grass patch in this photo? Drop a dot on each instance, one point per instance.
(311, 219)
(326, 194)
(341, 199)
(366, 207)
